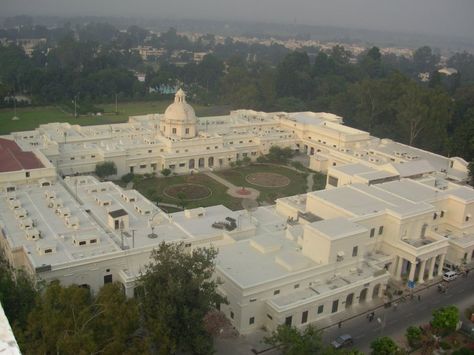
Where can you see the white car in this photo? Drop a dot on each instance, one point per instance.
(450, 276)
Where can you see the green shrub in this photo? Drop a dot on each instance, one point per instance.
(127, 178)
(445, 345)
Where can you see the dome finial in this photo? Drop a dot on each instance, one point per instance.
(180, 96)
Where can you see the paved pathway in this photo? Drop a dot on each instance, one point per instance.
(219, 179)
(232, 189)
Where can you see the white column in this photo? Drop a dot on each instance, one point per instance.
(398, 272)
(421, 273)
(432, 265)
(441, 264)
(411, 277)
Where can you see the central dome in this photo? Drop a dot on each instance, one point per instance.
(180, 111)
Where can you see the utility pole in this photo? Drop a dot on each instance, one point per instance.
(75, 106)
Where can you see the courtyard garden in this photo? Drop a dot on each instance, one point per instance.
(190, 191)
(273, 181)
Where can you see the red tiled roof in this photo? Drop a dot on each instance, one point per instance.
(13, 158)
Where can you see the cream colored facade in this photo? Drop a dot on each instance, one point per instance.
(390, 211)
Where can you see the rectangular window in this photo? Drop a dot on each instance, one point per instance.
(288, 320)
(380, 230)
(27, 174)
(435, 215)
(304, 317)
(253, 299)
(181, 165)
(186, 130)
(107, 279)
(174, 130)
(93, 241)
(332, 180)
(335, 306)
(142, 166)
(320, 309)
(231, 315)
(355, 250)
(82, 242)
(251, 320)
(297, 286)
(372, 232)
(276, 292)
(441, 214)
(47, 251)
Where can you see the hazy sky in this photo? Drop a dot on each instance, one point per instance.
(425, 16)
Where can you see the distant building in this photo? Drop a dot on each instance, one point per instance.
(447, 71)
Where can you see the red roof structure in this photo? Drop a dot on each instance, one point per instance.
(13, 158)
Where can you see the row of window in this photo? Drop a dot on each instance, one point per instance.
(304, 314)
(372, 231)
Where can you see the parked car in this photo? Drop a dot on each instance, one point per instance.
(342, 341)
(450, 276)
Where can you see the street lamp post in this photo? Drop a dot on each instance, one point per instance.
(381, 321)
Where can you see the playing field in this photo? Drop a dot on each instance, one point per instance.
(32, 117)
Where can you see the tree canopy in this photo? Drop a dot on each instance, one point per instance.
(178, 291)
(445, 319)
(106, 168)
(69, 320)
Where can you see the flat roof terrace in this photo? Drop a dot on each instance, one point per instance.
(101, 198)
(48, 218)
(322, 288)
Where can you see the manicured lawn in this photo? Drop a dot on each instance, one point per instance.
(32, 117)
(154, 187)
(297, 185)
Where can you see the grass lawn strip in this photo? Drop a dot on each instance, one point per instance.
(155, 187)
(268, 180)
(32, 117)
(193, 192)
(297, 186)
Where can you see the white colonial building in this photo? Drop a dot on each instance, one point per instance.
(390, 211)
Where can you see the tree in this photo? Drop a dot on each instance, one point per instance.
(17, 293)
(105, 169)
(178, 293)
(293, 77)
(445, 319)
(384, 346)
(279, 155)
(293, 342)
(182, 199)
(165, 172)
(69, 320)
(424, 60)
(413, 335)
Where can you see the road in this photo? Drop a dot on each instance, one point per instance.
(393, 322)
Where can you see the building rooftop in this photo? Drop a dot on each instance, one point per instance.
(13, 158)
(337, 228)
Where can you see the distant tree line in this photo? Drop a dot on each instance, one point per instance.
(378, 93)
